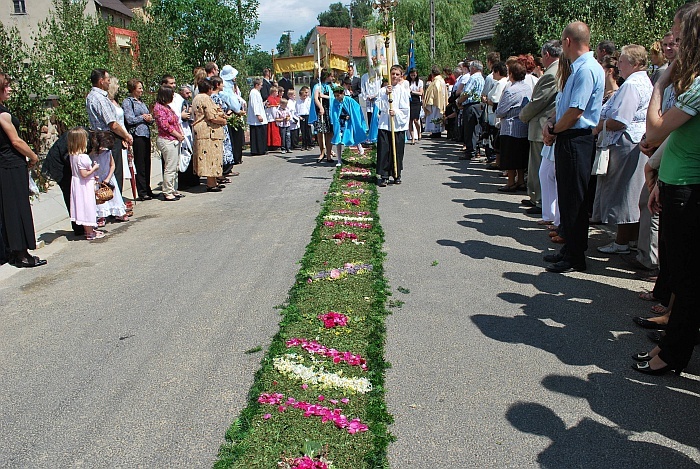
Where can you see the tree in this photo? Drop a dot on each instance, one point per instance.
(283, 45)
(452, 18)
(256, 61)
(640, 24)
(361, 13)
(300, 46)
(29, 85)
(216, 30)
(67, 66)
(337, 16)
(482, 6)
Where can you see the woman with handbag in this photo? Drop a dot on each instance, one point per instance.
(624, 119)
(137, 119)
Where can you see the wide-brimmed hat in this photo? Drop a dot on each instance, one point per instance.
(228, 73)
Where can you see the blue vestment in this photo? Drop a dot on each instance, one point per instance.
(349, 126)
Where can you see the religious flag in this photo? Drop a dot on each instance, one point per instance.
(411, 53)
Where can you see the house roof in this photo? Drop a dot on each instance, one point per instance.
(483, 25)
(115, 5)
(340, 39)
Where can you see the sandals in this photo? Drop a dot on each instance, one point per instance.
(659, 309)
(224, 181)
(647, 296)
(558, 239)
(544, 222)
(122, 218)
(101, 222)
(214, 189)
(96, 234)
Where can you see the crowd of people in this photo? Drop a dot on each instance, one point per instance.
(602, 136)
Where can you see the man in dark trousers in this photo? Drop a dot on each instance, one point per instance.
(577, 113)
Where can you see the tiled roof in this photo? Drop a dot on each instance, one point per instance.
(340, 39)
(483, 25)
(115, 5)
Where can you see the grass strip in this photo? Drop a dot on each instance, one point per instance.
(306, 398)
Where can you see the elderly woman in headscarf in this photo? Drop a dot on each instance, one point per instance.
(434, 102)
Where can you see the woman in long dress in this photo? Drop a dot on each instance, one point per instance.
(16, 222)
(218, 86)
(208, 137)
(434, 102)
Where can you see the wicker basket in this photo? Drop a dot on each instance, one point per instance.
(103, 193)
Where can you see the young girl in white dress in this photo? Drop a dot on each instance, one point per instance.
(83, 209)
(102, 155)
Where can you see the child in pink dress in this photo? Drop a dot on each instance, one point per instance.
(83, 207)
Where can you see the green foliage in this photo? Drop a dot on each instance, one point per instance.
(209, 30)
(300, 45)
(28, 84)
(157, 56)
(254, 441)
(68, 66)
(452, 22)
(482, 6)
(337, 16)
(622, 21)
(256, 61)
(361, 13)
(283, 45)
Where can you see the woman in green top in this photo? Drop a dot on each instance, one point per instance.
(678, 193)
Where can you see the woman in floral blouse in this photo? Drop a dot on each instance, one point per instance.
(170, 135)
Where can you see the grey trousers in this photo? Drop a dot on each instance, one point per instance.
(648, 242)
(534, 191)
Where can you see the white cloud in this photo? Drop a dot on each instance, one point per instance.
(276, 17)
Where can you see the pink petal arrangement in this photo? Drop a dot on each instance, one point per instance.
(343, 235)
(352, 224)
(353, 201)
(312, 410)
(332, 319)
(307, 463)
(343, 211)
(314, 347)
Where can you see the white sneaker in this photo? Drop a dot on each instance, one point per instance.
(614, 248)
(338, 163)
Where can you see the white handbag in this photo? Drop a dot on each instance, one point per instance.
(602, 154)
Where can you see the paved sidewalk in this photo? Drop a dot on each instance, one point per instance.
(497, 363)
(129, 351)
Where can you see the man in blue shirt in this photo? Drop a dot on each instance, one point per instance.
(470, 101)
(577, 113)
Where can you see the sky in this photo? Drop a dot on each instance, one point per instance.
(276, 17)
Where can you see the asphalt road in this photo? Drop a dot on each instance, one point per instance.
(129, 351)
(497, 363)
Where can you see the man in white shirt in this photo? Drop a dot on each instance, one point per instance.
(400, 112)
(370, 85)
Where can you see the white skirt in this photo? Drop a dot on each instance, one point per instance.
(114, 207)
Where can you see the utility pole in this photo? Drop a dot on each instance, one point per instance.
(432, 31)
(351, 28)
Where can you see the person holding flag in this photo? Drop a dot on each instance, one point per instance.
(387, 162)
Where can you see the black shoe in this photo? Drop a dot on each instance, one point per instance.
(214, 189)
(534, 211)
(145, 197)
(631, 260)
(647, 324)
(381, 182)
(28, 262)
(562, 267)
(527, 203)
(553, 258)
(656, 336)
(397, 181)
(642, 357)
(644, 367)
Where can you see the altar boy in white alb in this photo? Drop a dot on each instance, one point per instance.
(401, 109)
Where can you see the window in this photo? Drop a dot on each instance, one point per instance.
(20, 8)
